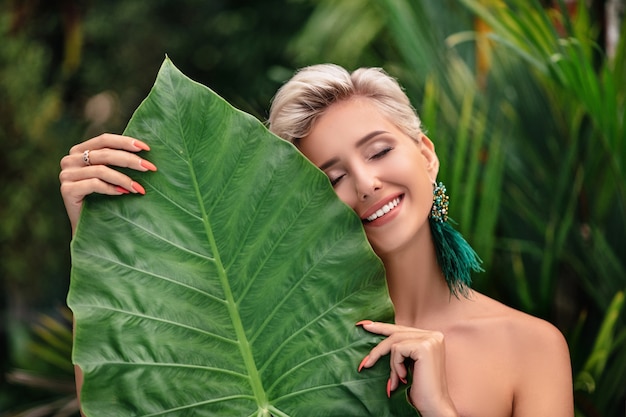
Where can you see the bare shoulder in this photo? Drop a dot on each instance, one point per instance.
(526, 332)
(536, 356)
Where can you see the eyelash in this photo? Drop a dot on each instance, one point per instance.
(378, 155)
(382, 153)
(336, 180)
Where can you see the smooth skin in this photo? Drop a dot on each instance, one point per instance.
(471, 356)
(78, 180)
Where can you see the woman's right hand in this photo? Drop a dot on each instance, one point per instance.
(87, 169)
(417, 354)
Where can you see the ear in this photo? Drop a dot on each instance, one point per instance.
(427, 148)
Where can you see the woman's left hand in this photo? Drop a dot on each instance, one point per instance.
(424, 352)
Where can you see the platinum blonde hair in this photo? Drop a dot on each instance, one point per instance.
(306, 96)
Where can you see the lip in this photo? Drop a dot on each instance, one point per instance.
(387, 217)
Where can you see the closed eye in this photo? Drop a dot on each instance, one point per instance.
(335, 181)
(382, 153)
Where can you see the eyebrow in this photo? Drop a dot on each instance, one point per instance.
(359, 143)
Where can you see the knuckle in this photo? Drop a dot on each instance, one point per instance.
(93, 183)
(65, 162)
(101, 137)
(66, 188)
(75, 149)
(438, 336)
(435, 341)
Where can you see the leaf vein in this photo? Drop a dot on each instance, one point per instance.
(154, 275)
(163, 239)
(253, 278)
(244, 346)
(310, 323)
(311, 359)
(173, 202)
(199, 404)
(294, 287)
(171, 365)
(161, 320)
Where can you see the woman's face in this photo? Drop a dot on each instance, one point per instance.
(383, 174)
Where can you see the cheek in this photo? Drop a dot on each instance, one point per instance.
(413, 173)
(346, 196)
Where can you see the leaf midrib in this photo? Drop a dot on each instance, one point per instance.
(244, 345)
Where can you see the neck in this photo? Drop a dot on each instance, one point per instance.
(417, 287)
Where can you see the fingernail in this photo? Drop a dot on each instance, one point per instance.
(139, 144)
(364, 322)
(137, 187)
(148, 165)
(403, 380)
(121, 190)
(389, 388)
(362, 364)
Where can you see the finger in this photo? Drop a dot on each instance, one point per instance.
(385, 329)
(119, 158)
(392, 383)
(101, 173)
(109, 140)
(380, 350)
(397, 375)
(400, 353)
(107, 156)
(407, 343)
(74, 193)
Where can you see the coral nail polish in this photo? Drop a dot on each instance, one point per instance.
(121, 190)
(148, 165)
(403, 380)
(389, 388)
(139, 144)
(362, 364)
(364, 323)
(137, 187)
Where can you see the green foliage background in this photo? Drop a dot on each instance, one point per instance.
(528, 123)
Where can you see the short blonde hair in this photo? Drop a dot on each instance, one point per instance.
(306, 96)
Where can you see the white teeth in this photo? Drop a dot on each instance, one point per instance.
(384, 209)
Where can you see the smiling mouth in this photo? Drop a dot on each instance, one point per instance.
(387, 208)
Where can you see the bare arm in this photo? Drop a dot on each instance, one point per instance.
(545, 384)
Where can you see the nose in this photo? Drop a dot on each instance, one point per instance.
(366, 183)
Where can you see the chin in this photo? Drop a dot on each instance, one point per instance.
(384, 248)
(392, 241)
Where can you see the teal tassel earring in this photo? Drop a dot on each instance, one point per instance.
(455, 256)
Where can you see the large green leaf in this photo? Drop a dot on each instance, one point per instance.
(233, 286)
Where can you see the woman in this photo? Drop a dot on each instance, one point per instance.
(468, 354)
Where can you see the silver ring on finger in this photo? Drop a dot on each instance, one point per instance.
(86, 157)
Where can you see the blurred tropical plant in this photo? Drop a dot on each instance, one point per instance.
(571, 181)
(45, 375)
(579, 213)
(597, 384)
(528, 114)
(34, 132)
